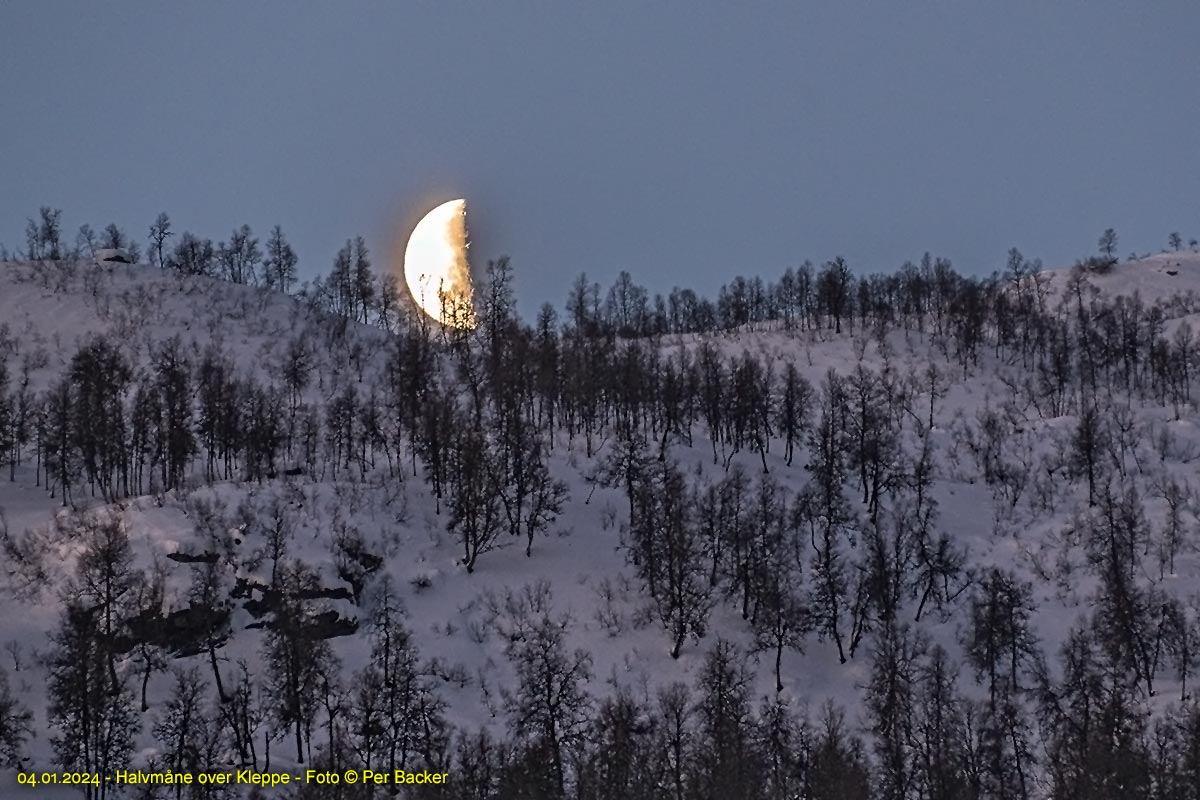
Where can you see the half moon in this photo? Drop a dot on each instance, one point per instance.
(436, 268)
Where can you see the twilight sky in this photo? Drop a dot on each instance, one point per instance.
(683, 141)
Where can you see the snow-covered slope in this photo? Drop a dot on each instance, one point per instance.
(580, 569)
(1168, 277)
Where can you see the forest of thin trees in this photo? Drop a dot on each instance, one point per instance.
(852, 560)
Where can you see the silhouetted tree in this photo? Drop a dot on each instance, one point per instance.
(15, 726)
(160, 231)
(193, 255)
(1108, 243)
(837, 768)
(1002, 648)
(474, 501)
(240, 256)
(279, 264)
(548, 709)
(91, 709)
(793, 409)
(296, 657)
(667, 553)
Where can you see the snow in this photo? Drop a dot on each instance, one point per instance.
(450, 612)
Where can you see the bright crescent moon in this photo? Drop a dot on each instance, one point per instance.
(436, 268)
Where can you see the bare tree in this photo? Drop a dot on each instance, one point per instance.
(160, 231)
(279, 266)
(549, 707)
(15, 725)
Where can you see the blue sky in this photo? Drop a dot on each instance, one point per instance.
(684, 142)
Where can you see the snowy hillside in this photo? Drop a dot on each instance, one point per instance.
(967, 445)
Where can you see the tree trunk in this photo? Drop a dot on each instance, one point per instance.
(145, 681)
(212, 657)
(299, 743)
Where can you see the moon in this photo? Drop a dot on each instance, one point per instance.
(436, 268)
